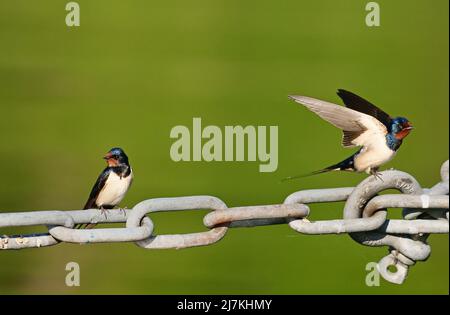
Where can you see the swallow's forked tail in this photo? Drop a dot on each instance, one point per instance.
(345, 165)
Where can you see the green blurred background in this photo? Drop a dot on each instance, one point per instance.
(135, 69)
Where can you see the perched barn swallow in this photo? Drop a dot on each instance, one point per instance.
(363, 124)
(112, 184)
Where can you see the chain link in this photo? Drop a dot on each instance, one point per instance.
(365, 219)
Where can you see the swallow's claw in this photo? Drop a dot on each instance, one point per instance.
(395, 254)
(104, 212)
(377, 174)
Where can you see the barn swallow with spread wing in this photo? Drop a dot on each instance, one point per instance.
(112, 184)
(363, 124)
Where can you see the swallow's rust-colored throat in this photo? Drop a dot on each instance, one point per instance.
(407, 127)
(111, 160)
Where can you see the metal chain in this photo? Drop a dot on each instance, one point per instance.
(425, 211)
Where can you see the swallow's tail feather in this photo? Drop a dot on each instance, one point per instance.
(85, 226)
(345, 165)
(324, 170)
(89, 205)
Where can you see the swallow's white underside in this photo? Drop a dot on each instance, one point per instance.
(372, 138)
(114, 190)
(373, 156)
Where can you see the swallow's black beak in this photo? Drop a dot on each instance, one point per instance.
(408, 126)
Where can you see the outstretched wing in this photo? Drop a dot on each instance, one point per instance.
(359, 129)
(98, 186)
(359, 104)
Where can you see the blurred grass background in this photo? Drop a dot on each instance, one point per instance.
(135, 69)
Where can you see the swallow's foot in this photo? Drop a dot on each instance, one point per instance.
(395, 255)
(123, 210)
(104, 212)
(378, 175)
(306, 220)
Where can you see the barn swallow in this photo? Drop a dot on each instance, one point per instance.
(112, 184)
(363, 124)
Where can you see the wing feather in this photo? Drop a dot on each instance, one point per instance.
(339, 116)
(349, 137)
(362, 105)
(96, 189)
(359, 128)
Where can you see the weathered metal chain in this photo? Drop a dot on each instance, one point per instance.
(425, 211)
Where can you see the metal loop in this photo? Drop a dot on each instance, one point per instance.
(176, 204)
(397, 277)
(415, 227)
(413, 249)
(255, 215)
(36, 218)
(374, 217)
(60, 223)
(63, 218)
(412, 201)
(370, 187)
(319, 195)
(103, 235)
(339, 226)
(27, 241)
(441, 188)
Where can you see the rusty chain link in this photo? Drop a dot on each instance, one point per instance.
(425, 211)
